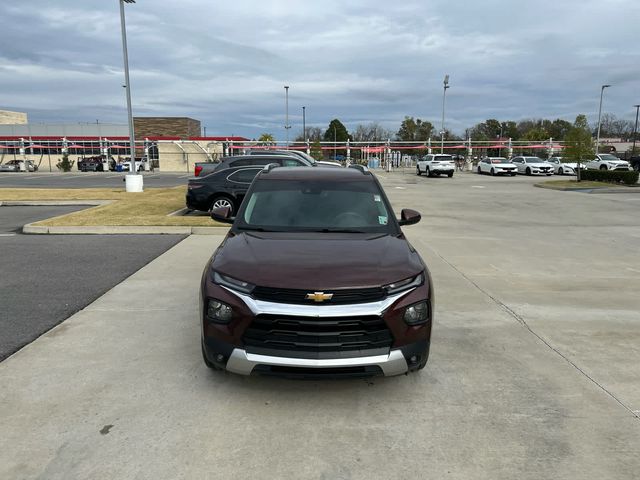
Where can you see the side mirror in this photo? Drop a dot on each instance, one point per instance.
(409, 217)
(222, 214)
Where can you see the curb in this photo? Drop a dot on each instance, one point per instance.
(591, 190)
(53, 203)
(123, 230)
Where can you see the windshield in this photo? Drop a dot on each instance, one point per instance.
(606, 156)
(319, 206)
(499, 160)
(443, 158)
(533, 160)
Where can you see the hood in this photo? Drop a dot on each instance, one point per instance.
(316, 261)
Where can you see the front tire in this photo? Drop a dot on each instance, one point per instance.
(418, 170)
(479, 171)
(603, 167)
(560, 171)
(450, 174)
(221, 201)
(493, 172)
(428, 172)
(528, 171)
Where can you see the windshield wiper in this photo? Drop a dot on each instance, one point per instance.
(253, 229)
(340, 230)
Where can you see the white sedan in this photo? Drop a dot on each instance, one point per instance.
(532, 166)
(563, 168)
(496, 166)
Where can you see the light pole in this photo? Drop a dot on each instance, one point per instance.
(304, 124)
(635, 131)
(335, 144)
(444, 94)
(136, 185)
(286, 121)
(599, 115)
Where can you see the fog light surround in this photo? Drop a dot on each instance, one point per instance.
(417, 314)
(219, 312)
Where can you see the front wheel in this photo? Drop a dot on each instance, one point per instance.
(418, 170)
(428, 172)
(479, 171)
(560, 171)
(603, 167)
(221, 202)
(493, 172)
(528, 172)
(450, 174)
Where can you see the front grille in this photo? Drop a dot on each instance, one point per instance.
(340, 297)
(313, 337)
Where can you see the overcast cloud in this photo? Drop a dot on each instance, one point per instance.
(226, 63)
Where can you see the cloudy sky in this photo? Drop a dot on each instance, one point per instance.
(226, 63)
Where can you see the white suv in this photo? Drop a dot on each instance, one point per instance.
(606, 161)
(436, 164)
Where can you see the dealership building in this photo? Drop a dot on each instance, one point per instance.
(173, 144)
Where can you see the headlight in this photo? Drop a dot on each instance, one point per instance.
(219, 312)
(403, 285)
(417, 314)
(232, 283)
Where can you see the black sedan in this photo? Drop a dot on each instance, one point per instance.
(222, 188)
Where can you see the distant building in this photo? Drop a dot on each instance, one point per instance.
(180, 127)
(174, 143)
(8, 117)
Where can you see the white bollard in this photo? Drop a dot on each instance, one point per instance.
(133, 183)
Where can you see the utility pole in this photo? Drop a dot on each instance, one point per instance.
(599, 115)
(304, 124)
(444, 94)
(635, 131)
(286, 121)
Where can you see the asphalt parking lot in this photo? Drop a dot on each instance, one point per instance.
(46, 279)
(88, 179)
(533, 369)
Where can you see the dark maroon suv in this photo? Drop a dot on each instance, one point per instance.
(315, 277)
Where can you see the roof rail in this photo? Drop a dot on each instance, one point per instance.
(271, 166)
(362, 168)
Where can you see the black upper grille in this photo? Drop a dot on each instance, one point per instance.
(340, 297)
(318, 337)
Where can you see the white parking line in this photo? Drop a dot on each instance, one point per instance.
(185, 176)
(7, 234)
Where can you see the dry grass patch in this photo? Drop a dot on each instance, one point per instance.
(150, 207)
(564, 184)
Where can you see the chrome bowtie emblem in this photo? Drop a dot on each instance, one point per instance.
(319, 296)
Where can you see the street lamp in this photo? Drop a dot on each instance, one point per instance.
(599, 115)
(444, 94)
(304, 124)
(135, 183)
(286, 121)
(335, 144)
(635, 131)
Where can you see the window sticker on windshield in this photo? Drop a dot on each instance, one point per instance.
(377, 198)
(382, 220)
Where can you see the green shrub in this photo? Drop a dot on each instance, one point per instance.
(65, 164)
(628, 178)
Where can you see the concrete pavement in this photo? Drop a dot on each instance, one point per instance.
(533, 370)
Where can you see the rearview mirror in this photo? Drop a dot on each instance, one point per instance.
(409, 217)
(222, 214)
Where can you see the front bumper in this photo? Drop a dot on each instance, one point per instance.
(228, 346)
(244, 363)
(396, 362)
